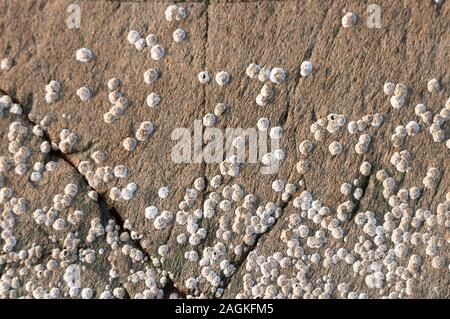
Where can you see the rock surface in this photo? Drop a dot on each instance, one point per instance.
(350, 67)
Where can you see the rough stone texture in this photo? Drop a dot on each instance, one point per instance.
(350, 67)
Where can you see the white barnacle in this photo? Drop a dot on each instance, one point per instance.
(261, 100)
(252, 71)
(38, 130)
(278, 185)
(150, 76)
(144, 131)
(303, 167)
(179, 35)
(209, 120)
(204, 77)
(84, 55)
(412, 128)
(199, 184)
(59, 224)
(84, 94)
(181, 238)
(306, 68)
(51, 96)
(71, 190)
(264, 74)
(365, 168)
(120, 171)
(140, 44)
(266, 92)
(151, 39)
(113, 84)
(129, 143)
(377, 120)
(99, 157)
(375, 280)
(346, 189)
(222, 78)
(389, 88)
(133, 36)
(127, 193)
(305, 147)
(115, 193)
(401, 90)
(170, 12)
(175, 13)
(277, 75)
(433, 86)
(87, 293)
(276, 132)
(263, 124)
(157, 52)
(348, 19)
(352, 127)
(420, 109)
(219, 109)
(151, 212)
(397, 102)
(163, 192)
(191, 283)
(53, 86)
(153, 99)
(279, 154)
(16, 109)
(335, 148)
(181, 14)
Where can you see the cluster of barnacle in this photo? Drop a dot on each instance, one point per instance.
(7, 104)
(157, 51)
(432, 179)
(230, 166)
(402, 161)
(411, 129)
(275, 133)
(333, 123)
(67, 141)
(222, 77)
(436, 128)
(142, 134)
(265, 277)
(381, 254)
(209, 119)
(354, 189)
(126, 193)
(264, 74)
(369, 120)
(314, 237)
(241, 221)
(118, 101)
(104, 175)
(30, 269)
(398, 93)
(236, 232)
(21, 153)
